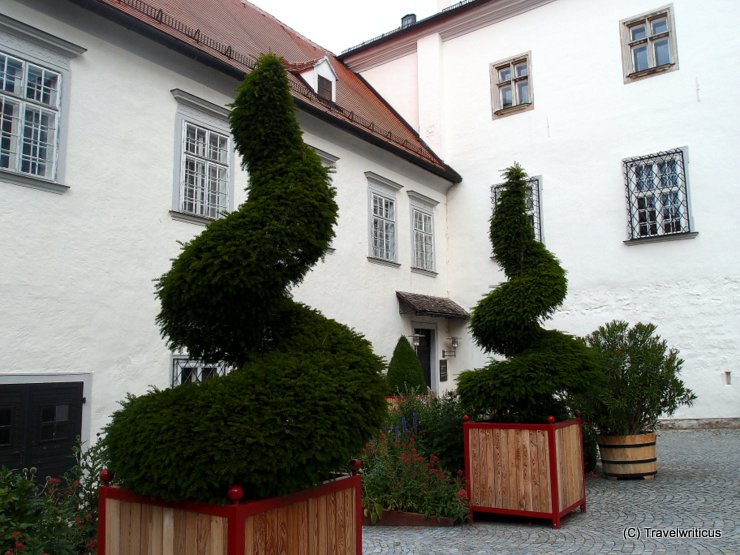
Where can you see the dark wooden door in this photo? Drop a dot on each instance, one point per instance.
(424, 352)
(39, 425)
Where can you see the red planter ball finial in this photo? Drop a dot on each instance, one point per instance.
(551, 420)
(466, 418)
(355, 464)
(106, 476)
(235, 493)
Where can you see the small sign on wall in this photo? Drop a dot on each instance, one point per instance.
(443, 370)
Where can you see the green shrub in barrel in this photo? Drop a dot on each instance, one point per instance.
(537, 367)
(307, 392)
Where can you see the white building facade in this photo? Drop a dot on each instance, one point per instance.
(115, 146)
(624, 113)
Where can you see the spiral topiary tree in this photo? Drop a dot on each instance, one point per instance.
(404, 371)
(307, 392)
(541, 366)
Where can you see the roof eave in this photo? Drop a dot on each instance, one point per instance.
(199, 55)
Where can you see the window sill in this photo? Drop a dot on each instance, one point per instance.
(423, 271)
(513, 109)
(637, 75)
(383, 262)
(661, 238)
(33, 182)
(190, 218)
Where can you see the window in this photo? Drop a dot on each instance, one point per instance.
(422, 232)
(34, 77)
(324, 88)
(204, 161)
(29, 112)
(657, 195)
(383, 227)
(648, 44)
(531, 202)
(382, 216)
(205, 172)
(511, 85)
(186, 370)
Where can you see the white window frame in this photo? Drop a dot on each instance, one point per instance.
(423, 244)
(657, 196)
(383, 223)
(533, 203)
(34, 49)
(211, 120)
(653, 35)
(505, 75)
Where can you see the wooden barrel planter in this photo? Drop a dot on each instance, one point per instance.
(326, 519)
(529, 470)
(628, 456)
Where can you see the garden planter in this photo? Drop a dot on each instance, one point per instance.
(402, 518)
(531, 470)
(394, 401)
(628, 456)
(326, 519)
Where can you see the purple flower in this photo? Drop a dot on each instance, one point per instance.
(404, 427)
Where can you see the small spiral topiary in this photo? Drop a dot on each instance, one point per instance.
(541, 366)
(307, 392)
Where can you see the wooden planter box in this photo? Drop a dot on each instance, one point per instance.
(532, 470)
(628, 456)
(327, 519)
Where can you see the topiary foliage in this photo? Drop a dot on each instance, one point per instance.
(404, 371)
(308, 392)
(542, 366)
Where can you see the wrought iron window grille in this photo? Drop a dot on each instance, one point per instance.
(186, 370)
(531, 201)
(657, 195)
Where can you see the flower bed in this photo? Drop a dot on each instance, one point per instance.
(398, 477)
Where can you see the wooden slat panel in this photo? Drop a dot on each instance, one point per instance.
(168, 532)
(112, 527)
(570, 468)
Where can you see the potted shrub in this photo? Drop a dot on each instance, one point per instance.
(527, 458)
(247, 462)
(642, 383)
(405, 375)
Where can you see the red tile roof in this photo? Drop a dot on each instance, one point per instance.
(235, 33)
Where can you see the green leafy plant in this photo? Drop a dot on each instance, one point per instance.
(642, 379)
(396, 476)
(438, 425)
(541, 367)
(56, 516)
(405, 374)
(307, 392)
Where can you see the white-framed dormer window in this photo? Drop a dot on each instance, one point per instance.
(204, 160)
(383, 218)
(532, 205)
(511, 85)
(657, 195)
(422, 232)
(322, 78)
(34, 105)
(648, 44)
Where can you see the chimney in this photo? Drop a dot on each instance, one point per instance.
(408, 20)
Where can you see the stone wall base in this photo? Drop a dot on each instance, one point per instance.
(699, 423)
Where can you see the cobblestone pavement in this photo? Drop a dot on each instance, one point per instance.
(697, 487)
